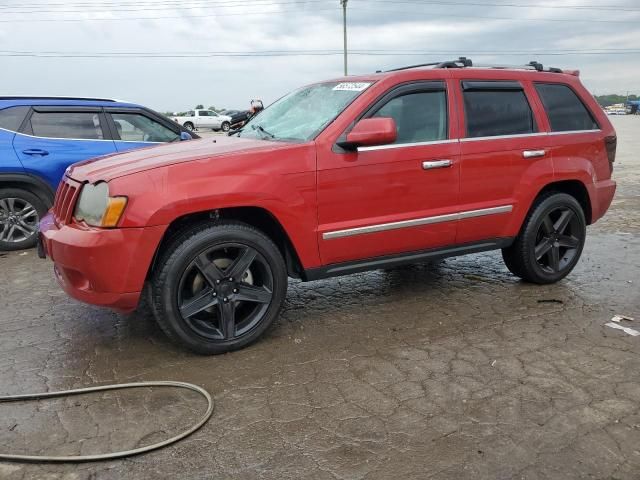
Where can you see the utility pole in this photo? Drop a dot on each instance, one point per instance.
(344, 24)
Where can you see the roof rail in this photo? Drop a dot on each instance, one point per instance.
(461, 62)
(464, 62)
(53, 97)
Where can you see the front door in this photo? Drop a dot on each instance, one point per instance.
(133, 129)
(53, 138)
(394, 198)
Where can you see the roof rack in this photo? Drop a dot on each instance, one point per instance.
(464, 62)
(53, 97)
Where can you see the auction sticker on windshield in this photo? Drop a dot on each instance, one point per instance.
(352, 86)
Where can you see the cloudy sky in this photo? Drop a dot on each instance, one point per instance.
(226, 52)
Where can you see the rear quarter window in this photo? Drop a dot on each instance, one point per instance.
(565, 110)
(11, 118)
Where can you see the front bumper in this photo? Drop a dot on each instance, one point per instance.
(99, 266)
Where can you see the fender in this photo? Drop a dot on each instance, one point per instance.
(289, 198)
(38, 185)
(580, 169)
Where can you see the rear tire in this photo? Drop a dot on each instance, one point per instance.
(550, 242)
(20, 213)
(218, 287)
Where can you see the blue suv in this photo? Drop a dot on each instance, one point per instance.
(41, 136)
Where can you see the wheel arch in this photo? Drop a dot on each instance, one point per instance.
(31, 183)
(577, 189)
(257, 217)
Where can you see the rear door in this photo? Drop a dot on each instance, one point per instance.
(395, 198)
(207, 119)
(52, 138)
(138, 128)
(502, 149)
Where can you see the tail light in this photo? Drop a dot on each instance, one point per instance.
(611, 143)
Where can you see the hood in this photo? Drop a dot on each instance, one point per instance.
(118, 165)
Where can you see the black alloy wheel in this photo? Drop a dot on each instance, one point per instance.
(550, 241)
(558, 239)
(218, 287)
(225, 291)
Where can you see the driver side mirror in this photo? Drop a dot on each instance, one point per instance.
(370, 132)
(185, 136)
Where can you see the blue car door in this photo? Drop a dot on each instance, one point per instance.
(53, 138)
(135, 128)
(10, 120)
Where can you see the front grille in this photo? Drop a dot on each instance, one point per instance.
(65, 201)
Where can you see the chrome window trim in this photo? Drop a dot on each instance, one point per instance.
(383, 227)
(57, 138)
(79, 139)
(499, 137)
(569, 132)
(473, 139)
(401, 145)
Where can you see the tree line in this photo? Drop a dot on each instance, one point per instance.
(612, 99)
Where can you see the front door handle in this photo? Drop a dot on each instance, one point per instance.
(533, 153)
(436, 164)
(35, 151)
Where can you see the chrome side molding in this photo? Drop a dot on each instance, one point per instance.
(383, 227)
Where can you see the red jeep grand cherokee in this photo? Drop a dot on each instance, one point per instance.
(338, 177)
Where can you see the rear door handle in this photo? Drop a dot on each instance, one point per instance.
(436, 164)
(533, 153)
(35, 151)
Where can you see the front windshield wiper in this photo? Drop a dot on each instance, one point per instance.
(261, 129)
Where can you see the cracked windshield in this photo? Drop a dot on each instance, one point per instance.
(302, 114)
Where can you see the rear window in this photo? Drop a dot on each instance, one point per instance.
(78, 125)
(496, 110)
(565, 110)
(11, 118)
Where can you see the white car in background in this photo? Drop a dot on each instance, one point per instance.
(199, 119)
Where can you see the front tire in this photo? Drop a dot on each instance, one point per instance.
(218, 287)
(20, 213)
(189, 126)
(226, 126)
(550, 242)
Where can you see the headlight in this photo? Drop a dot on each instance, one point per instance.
(96, 208)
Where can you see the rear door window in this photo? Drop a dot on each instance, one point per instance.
(565, 110)
(496, 109)
(74, 125)
(11, 118)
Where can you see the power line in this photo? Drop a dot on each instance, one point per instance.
(334, 9)
(508, 5)
(512, 19)
(301, 53)
(237, 3)
(168, 17)
(149, 7)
